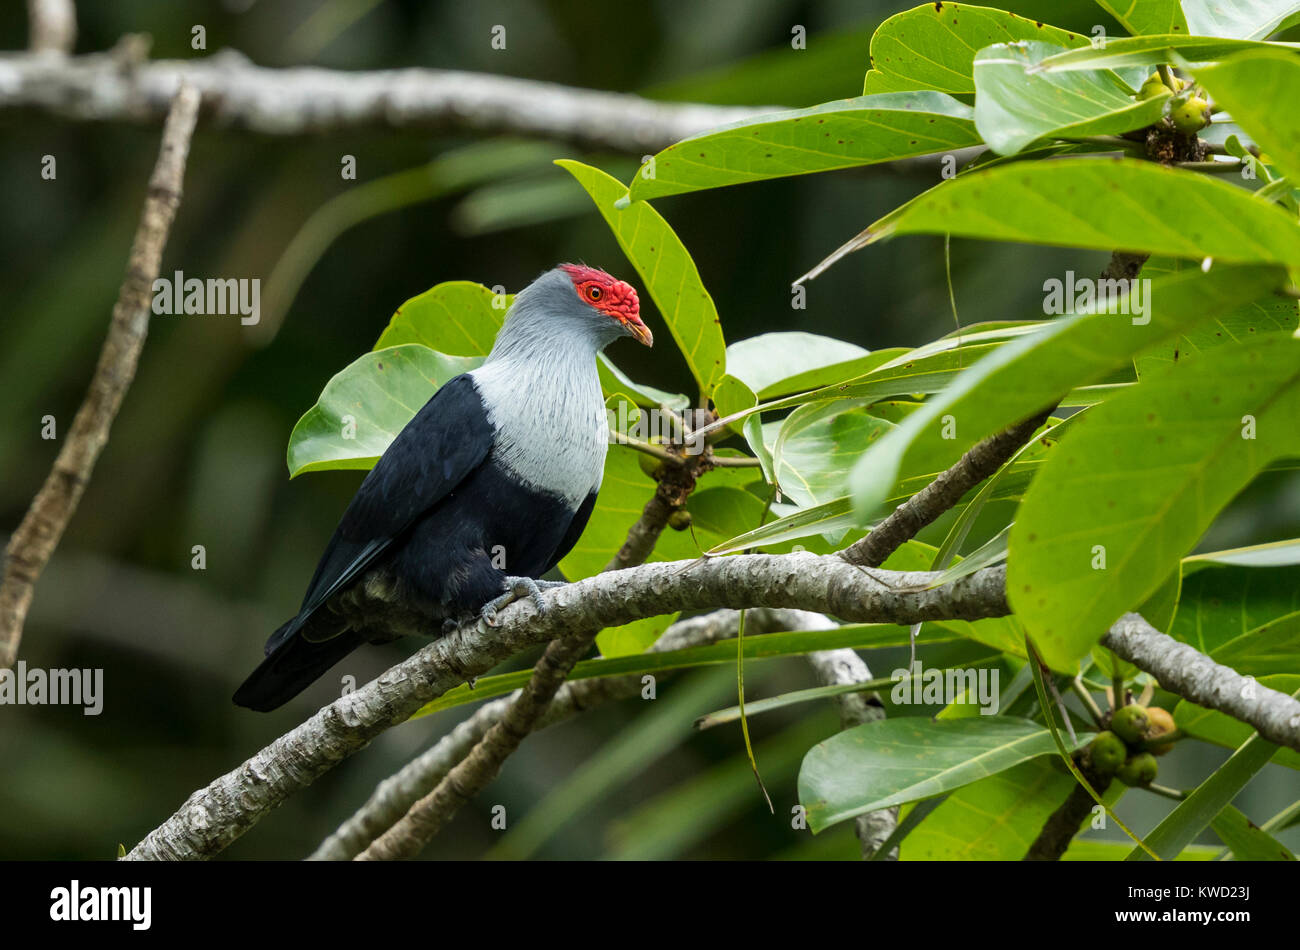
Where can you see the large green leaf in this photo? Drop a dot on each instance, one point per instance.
(994, 819)
(1255, 320)
(932, 46)
(361, 410)
(892, 761)
(669, 273)
(816, 446)
(1135, 484)
(841, 134)
(1253, 87)
(1035, 371)
(1101, 203)
(1241, 19)
(458, 317)
(1152, 51)
(1147, 16)
(791, 361)
(1016, 105)
(1247, 618)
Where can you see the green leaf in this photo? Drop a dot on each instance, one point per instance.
(1246, 840)
(1035, 371)
(1247, 618)
(635, 637)
(1147, 16)
(364, 406)
(994, 819)
(1101, 203)
(1273, 554)
(669, 273)
(1137, 482)
(815, 448)
(458, 317)
(846, 133)
(1190, 817)
(1015, 105)
(1090, 849)
(1151, 51)
(1255, 320)
(1252, 87)
(892, 761)
(777, 364)
(1241, 19)
(932, 46)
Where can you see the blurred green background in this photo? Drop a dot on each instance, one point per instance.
(197, 453)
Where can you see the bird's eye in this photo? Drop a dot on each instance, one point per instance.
(594, 293)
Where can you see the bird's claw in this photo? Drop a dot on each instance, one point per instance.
(517, 587)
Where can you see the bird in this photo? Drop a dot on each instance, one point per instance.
(482, 492)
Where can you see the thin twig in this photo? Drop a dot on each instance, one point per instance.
(30, 547)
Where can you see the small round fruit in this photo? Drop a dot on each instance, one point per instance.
(1191, 115)
(679, 520)
(1159, 723)
(649, 464)
(1140, 770)
(1129, 723)
(1107, 753)
(1153, 87)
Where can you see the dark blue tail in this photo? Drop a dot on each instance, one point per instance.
(291, 665)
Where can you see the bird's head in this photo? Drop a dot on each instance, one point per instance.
(608, 300)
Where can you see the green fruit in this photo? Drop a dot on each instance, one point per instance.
(1107, 753)
(1152, 87)
(1191, 115)
(679, 520)
(1159, 722)
(649, 464)
(1129, 723)
(1140, 770)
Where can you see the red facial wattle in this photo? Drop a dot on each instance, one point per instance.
(612, 297)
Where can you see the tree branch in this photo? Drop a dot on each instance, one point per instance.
(400, 791)
(30, 547)
(308, 100)
(218, 814)
(834, 668)
(905, 521)
(52, 25)
(1194, 676)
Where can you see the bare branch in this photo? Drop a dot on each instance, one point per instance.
(400, 791)
(307, 100)
(30, 547)
(52, 25)
(1198, 679)
(218, 814)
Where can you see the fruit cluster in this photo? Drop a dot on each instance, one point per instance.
(1127, 749)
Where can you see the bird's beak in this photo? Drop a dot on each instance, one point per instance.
(639, 331)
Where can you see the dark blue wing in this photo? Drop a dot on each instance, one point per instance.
(445, 441)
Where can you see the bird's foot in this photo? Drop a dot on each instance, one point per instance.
(517, 587)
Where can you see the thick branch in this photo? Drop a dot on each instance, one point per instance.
(307, 100)
(905, 521)
(1198, 679)
(30, 547)
(1063, 824)
(215, 816)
